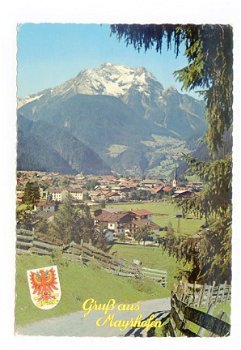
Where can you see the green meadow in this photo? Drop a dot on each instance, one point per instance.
(151, 257)
(78, 283)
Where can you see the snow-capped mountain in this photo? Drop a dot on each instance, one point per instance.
(128, 84)
(122, 113)
(112, 80)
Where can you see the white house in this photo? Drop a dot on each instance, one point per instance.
(76, 194)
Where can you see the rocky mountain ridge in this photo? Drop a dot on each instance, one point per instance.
(124, 115)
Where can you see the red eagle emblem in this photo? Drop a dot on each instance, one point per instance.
(44, 286)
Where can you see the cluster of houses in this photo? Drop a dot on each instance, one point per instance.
(124, 222)
(109, 189)
(54, 187)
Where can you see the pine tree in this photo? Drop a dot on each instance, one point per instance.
(67, 223)
(31, 193)
(208, 49)
(43, 226)
(87, 225)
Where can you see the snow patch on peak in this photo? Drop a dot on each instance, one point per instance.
(112, 79)
(23, 101)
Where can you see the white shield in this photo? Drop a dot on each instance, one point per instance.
(44, 287)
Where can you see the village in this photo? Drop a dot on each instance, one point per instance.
(101, 194)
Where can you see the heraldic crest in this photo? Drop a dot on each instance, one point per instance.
(44, 287)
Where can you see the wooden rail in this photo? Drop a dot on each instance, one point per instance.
(181, 314)
(27, 243)
(157, 275)
(187, 320)
(197, 295)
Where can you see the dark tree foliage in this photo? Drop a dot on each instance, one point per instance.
(42, 226)
(66, 225)
(24, 218)
(91, 184)
(87, 225)
(208, 49)
(142, 233)
(31, 193)
(74, 224)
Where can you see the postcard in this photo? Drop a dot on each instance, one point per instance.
(124, 180)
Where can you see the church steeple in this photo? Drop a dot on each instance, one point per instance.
(174, 181)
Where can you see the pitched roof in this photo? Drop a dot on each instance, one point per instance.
(182, 191)
(111, 217)
(167, 188)
(151, 181)
(55, 190)
(156, 189)
(140, 212)
(75, 190)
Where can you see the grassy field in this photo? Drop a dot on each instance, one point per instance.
(164, 213)
(151, 257)
(78, 283)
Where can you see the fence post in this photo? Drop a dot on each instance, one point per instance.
(228, 293)
(221, 316)
(216, 299)
(210, 312)
(200, 296)
(209, 289)
(90, 241)
(203, 294)
(211, 293)
(224, 288)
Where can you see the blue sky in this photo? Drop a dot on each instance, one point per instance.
(49, 54)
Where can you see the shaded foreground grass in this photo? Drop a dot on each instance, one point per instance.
(78, 283)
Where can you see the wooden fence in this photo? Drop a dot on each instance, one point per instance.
(157, 275)
(197, 295)
(187, 320)
(28, 243)
(183, 316)
(85, 252)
